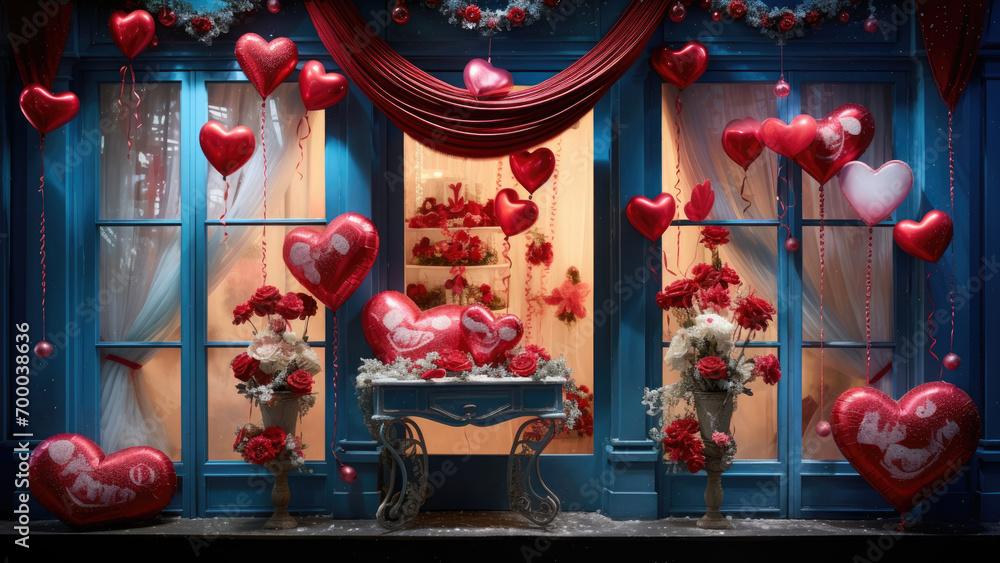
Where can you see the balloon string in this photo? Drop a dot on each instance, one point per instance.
(951, 192)
(822, 276)
(138, 99)
(784, 207)
(302, 150)
(930, 329)
(41, 228)
(527, 292)
(225, 210)
(336, 370)
(263, 237)
(128, 130)
(510, 266)
(743, 197)
(677, 172)
(868, 311)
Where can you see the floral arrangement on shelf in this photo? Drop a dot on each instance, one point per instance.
(265, 446)
(460, 249)
(456, 213)
(712, 321)
(456, 291)
(579, 407)
(570, 298)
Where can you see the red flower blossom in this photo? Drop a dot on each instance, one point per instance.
(712, 367)
(244, 367)
(543, 354)
(299, 382)
(259, 450)
(241, 435)
(787, 22)
(201, 25)
(767, 368)
(415, 290)
(433, 374)
(276, 435)
(813, 18)
(453, 360)
(309, 306)
(678, 294)
(714, 236)
(570, 298)
(264, 300)
(682, 443)
(487, 292)
(753, 313)
(471, 220)
(290, 307)
(516, 16)
(524, 364)
(716, 298)
(242, 314)
(728, 276)
(737, 9)
(539, 254)
(472, 13)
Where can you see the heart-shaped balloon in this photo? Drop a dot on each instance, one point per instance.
(320, 89)
(741, 141)
(927, 239)
(46, 111)
(332, 264)
(701, 202)
(791, 139)
(875, 194)
(395, 327)
(682, 67)
(70, 476)
(487, 81)
(532, 169)
(225, 150)
(651, 217)
(515, 215)
(489, 338)
(132, 32)
(266, 65)
(841, 136)
(909, 449)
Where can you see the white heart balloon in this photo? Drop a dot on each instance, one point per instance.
(875, 194)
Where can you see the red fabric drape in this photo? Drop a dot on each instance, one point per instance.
(38, 32)
(450, 119)
(952, 32)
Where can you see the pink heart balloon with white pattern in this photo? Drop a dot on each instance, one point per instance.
(875, 194)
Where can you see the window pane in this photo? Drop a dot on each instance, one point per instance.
(288, 195)
(141, 182)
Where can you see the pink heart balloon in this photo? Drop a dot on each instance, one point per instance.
(515, 215)
(395, 327)
(489, 338)
(791, 139)
(266, 64)
(332, 264)
(320, 89)
(485, 80)
(875, 194)
(532, 169)
(651, 217)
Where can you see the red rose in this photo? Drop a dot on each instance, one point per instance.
(290, 306)
(415, 290)
(244, 367)
(753, 313)
(264, 300)
(716, 298)
(524, 364)
(476, 254)
(678, 294)
(787, 22)
(309, 306)
(714, 236)
(201, 25)
(242, 314)
(471, 220)
(516, 16)
(696, 462)
(487, 292)
(259, 450)
(728, 276)
(543, 354)
(299, 382)
(276, 435)
(453, 360)
(705, 275)
(433, 374)
(737, 9)
(767, 368)
(712, 367)
(813, 18)
(473, 14)
(241, 435)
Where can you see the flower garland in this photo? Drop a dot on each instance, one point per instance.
(518, 13)
(455, 293)
(456, 213)
(785, 22)
(203, 25)
(460, 250)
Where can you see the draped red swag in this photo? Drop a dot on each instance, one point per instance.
(450, 119)
(38, 32)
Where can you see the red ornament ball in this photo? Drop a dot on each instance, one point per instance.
(167, 17)
(823, 429)
(792, 244)
(348, 474)
(717, 16)
(677, 12)
(400, 14)
(43, 349)
(781, 89)
(273, 6)
(737, 9)
(706, 4)
(871, 24)
(844, 17)
(951, 361)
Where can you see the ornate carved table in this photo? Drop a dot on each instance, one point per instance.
(404, 453)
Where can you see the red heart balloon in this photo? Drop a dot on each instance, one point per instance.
(791, 139)
(532, 169)
(332, 264)
(46, 111)
(70, 476)
(132, 32)
(701, 203)
(680, 68)
(487, 338)
(909, 449)
(225, 150)
(266, 65)
(514, 215)
(841, 136)
(741, 141)
(319, 89)
(927, 239)
(395, 327)
(651, 217)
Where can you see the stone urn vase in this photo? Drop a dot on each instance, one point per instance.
(282, 412)
(715, 413)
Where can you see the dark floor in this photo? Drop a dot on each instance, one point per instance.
(502, 536)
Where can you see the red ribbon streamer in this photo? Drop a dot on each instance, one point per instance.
(930, 328)
(527, 293)
(677, 172)
(302, 150)
(263, 150)
(868, 310)
(225, 210)
(132, 366)
(951, 192)
(41, 227)
(510, 266)
(822, 276)
(743, 197)
(336, 370)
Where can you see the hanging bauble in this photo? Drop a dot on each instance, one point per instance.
(951, 361)
(823, 429)
(677, 12)
(871, 24)
(792, 244)
(43, 349)
(400, 13)
(348, 474)
(167, 17)
(273, 6)
(716, 16)
(781, 88)
(844, 17)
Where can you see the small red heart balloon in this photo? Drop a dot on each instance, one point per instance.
(46, 111)
(489, 338)
(132, 32)
(701, 202)
(909, 449)
(320, 89)
(741, 141)
(515, 215)
(70, 476)
(791, 139)
(225, 150)
(841, 136)
(395, 327)
(483, 80)
(266, 65)
(682, 67)
(332, 264)
(926, 240)
(532, 169)
(651, 217)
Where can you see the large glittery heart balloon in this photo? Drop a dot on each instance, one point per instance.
(841, 136)
(487, 81)
(741, 141)
(320, 89)
(788, 139)
(875, 194)
(515, 215)
(395, 327)
(332, 264)
(682, 67)
(532, 169)
(651, 217)
(132, 32)
(70, 476)
(226, 150)
(489, 338)
(266, 65)
(926, 240)
(46, 111)
(909, 449)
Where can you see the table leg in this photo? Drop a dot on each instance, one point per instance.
(523, 475)
(403, 452)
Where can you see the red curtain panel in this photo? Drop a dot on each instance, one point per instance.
(38, 32)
